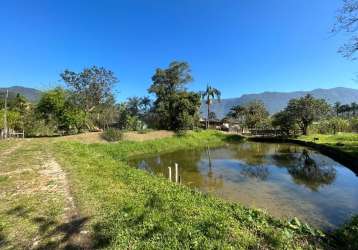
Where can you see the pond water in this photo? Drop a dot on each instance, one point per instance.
(285, 180)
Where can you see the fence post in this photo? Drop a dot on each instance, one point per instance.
(170, 173)
(176, 172)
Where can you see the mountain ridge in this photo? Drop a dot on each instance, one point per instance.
(276, 101)
(31, 94)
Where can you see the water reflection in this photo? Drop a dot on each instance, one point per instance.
(287, 180)
(310, 173)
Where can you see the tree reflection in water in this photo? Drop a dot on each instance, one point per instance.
(258, 172)
(307, 172)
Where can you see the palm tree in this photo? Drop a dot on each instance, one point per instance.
(208, 95)
(145, 103)
(354, 108)
(337, 107)
(133, 105)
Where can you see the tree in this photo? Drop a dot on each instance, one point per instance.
(305, 110)
(354, 108)
(255, 113)
(105, 114)
(337, 108)
(345, 109)
(186, 107)
(52, 104)
(238, 113)
(209, 95)
(168, 85)
(134, 105)
(284, 121)
(145, 103)
(91, 87)
(347, 21)
(56, 108)
(212, 116)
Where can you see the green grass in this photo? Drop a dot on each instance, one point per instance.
(28, 213)
(130, 208)
(347, 142)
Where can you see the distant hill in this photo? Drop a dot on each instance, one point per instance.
(276, 101)
(32, 95)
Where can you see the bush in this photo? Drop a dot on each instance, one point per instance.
(181, 132)
(330, 126)
(347, 235)
(112, 135)
(38, 127)
(354, 124)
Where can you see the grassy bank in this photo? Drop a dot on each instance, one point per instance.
(346, 142)
(129, 208)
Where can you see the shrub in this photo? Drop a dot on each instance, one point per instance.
(112, 134)
(354, 124)
(347, 235)
(38, 127)
(181, 132)
(330, 126)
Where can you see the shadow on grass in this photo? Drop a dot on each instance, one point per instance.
(51, 233)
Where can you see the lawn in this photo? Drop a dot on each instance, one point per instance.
(347, 142)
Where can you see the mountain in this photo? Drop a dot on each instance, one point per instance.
(33, 95)
(276, 101)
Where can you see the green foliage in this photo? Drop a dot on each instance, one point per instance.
(284, 122)
(331, 125)
(35, 126)
(13, 118)
(55, 106)
(255, 113)
(209, 95)
(347, 235)
(72, 120)
(303, 111)
(112, 135)
(91, 87)
(353, 124)
(174, 107)
(252, 115)
(52, 104)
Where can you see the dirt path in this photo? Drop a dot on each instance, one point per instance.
(37, 209)
(74, 236)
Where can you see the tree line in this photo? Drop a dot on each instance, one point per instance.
(298, 117)
(87, 103)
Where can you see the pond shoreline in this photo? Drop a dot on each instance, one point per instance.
(336, 154)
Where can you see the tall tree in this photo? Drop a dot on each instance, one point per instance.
(347, 21)
(354, 108)
(145, 103)
(134, 105)
(337, 108)
(255, 113)
(238, 113)
(168, 85)
(209, 95)
(91, 87)
(305, 110)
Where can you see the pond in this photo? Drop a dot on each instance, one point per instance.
(286, 180)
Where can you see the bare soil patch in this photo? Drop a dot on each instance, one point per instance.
(152, 135)
(96, 137)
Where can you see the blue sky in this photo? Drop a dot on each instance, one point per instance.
(240, 47)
